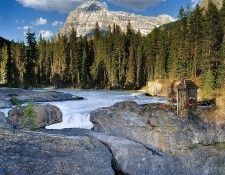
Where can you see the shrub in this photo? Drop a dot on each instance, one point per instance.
(28, 117)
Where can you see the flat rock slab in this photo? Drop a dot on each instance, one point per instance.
(7, 95)
(40, 153)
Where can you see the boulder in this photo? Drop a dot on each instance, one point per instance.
(156, 125)
(3, 121)
(33, 117)
(40, 153)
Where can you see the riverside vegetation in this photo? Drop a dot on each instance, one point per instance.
(191, 48)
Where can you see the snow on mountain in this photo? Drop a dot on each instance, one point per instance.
(83, 19)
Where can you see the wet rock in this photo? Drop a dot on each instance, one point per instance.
(33, 117)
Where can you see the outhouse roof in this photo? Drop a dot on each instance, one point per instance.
(187, 84)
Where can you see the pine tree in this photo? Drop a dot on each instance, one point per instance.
(141, 68)
(84, 70)
(31, 58)
(196, 37)
(208, 84)
(12, 75)
(214, 38)
(74, 58)
(85, 64)
(97, 32)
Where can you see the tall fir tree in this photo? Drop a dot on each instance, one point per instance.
(31, 58)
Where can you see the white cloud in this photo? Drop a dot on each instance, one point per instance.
(46, 33)
(56, 23)
(40, 21)
(63, 6)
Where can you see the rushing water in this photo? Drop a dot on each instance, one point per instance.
(76, 114)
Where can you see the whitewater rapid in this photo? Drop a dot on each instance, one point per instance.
(76, 114)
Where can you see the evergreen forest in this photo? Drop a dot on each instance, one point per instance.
(193, 47)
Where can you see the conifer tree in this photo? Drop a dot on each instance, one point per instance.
(31, 58)
(12, 75)
(73, 44)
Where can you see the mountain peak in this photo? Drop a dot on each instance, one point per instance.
(84, 18)
(91, 5)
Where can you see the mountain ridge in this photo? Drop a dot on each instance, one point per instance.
(84, 18)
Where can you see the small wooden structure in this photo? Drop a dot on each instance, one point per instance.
(187, 92)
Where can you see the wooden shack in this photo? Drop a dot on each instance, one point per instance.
(187, 92)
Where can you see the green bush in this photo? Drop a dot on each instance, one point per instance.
(28, 117)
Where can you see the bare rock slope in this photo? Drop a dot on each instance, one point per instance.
(83, 19)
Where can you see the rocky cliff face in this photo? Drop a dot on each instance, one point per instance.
(84, 18)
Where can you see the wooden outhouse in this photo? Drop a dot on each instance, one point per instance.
(187, 94)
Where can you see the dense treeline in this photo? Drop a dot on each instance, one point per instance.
(193, 47)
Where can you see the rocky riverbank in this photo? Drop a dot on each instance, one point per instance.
(127, 139)
(12, 96)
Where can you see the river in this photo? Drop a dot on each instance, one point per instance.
(76, 114)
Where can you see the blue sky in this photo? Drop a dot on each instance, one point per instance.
(47, 16)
